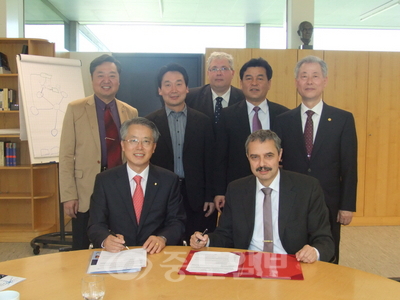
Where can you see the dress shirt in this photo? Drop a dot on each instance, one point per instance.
(177, 125)
(100, 108)
(317, 109)
(225, 96)
(263, 114)
(257, 241)
(143, 182)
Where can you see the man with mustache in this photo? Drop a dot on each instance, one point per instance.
(238, 121)
(272, 210)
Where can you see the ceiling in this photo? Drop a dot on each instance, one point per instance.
(328, 13)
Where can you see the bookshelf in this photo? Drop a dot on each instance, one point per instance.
(28, 193)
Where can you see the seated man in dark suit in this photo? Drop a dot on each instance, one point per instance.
(138, 201)
(273, 210)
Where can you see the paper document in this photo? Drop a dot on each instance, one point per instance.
(125, 261)
(214, 262)
(7, 280)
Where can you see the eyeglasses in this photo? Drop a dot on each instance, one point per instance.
(223, 69)
(134, 142)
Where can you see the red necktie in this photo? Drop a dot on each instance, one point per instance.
(308, 133)
(112, 140)
(138, 197)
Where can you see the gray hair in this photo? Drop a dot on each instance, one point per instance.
(220, 55)
(263, 135)
(312, 59)
(139, 121)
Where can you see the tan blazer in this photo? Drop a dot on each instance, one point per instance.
(80, 150)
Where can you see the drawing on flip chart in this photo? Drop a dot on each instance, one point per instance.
(47, 86)
(49, 99)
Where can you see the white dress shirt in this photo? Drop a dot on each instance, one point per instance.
(225, 98)
(257, 241)
(263, 114)
(317, 109)
(143, 182)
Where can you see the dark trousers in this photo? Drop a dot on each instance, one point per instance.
(335, 230)
(80, 239)
(195, 220)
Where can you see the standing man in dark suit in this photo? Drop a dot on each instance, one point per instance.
(90, 143)
(185, 147)
(321, 141)
(211, 98)
(272, 210)
(138, 201)
(238, 121)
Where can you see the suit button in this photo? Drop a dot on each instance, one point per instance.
(309, 170)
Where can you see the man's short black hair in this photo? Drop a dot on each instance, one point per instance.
(172, 67)
(257, 62)
(102, 59)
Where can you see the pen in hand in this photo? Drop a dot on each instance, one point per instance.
(113, 234)
(204, 232)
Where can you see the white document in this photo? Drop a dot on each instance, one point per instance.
(125, 261)
(7, 280)
(213, 262)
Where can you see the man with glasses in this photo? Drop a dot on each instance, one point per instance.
(137, 203)
(211, 98)
(185, 147)
(90, 143)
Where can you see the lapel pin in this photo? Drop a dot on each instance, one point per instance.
(155, 183)
(329, 119)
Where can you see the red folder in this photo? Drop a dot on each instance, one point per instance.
(257, 265)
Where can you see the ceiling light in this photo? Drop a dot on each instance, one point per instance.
(379, 9)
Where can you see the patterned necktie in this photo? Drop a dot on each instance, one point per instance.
(112, 140)
(256, 120)
(218, 108)
(267, 213)
(309, 133)
(138, 197)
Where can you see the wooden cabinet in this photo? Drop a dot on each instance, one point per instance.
(28, 193)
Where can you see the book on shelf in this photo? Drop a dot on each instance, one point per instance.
(11, 154)
(2, 158)
(7, 98)
(4, 66)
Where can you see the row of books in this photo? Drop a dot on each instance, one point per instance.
(8, 154)
(8, 99)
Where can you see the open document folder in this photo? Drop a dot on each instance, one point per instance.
(126, 261)
(242, 264)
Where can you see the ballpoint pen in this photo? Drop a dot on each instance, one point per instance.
(113, 234)
(204, 232)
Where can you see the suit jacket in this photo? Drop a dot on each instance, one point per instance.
(303, 215)
(232, 131)
(111, 207)
(200, 98)
(334, 155)
(80, 150)
(197, 154)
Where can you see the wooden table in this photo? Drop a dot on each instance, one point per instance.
(58, 276)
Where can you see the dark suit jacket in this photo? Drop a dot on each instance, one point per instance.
(232, 131)
(334, 156)
(303, 215)
(197, 154)
(111, 207)
(200, 98)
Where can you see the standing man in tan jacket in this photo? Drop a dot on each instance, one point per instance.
(90, 143)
